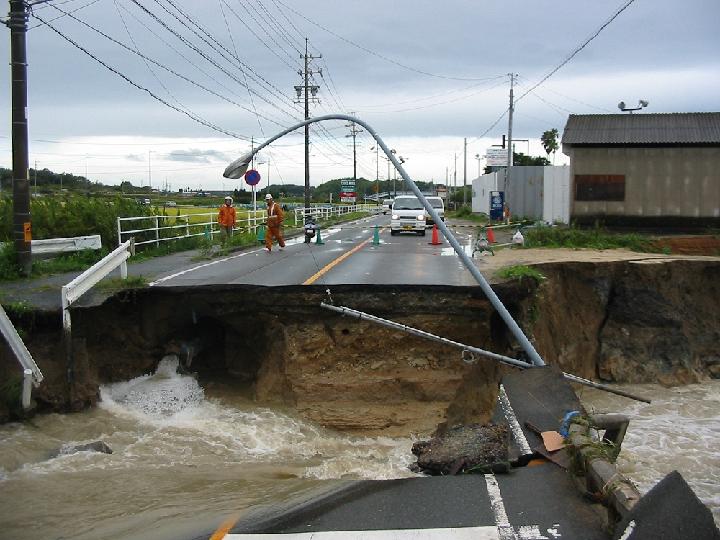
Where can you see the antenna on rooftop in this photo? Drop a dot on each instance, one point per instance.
(642, 103)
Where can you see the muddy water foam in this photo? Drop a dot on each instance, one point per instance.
(181, 462)
(680, 430)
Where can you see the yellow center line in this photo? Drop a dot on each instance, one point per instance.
(225, 527)
(312, 279)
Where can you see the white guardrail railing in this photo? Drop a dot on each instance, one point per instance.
(85, 281)
(156, 229)
(31, 372)
(64, 245)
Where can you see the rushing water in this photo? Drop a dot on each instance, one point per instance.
(679, 430)
(183, 461)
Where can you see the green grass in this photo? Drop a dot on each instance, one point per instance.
(521, 272)
(576, 238)
(9, 271)
(466, 213)
(119, 284)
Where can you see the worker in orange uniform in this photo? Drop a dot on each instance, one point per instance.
(275, 218)
(226, 219)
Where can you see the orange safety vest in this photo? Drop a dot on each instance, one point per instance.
(275, 215)
(226, 216)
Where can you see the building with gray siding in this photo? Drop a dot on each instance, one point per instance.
(644, 169)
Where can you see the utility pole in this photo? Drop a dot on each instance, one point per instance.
(510, 142)
(22, 224)
(455, 181)
(354, 130)
(309, 93)
(149, 172)
(464, 171)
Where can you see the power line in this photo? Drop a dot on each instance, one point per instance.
(162, 66)
(381, 56)
(577, 49)
(139, 87)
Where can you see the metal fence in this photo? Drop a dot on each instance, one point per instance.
(155, 229)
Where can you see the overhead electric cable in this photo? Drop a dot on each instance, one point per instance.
(577, 49)
(169, 70)
(61, 16)
(139, 87)
(377, 54)
(232, 41)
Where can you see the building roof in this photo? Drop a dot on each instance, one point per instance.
(644, 129)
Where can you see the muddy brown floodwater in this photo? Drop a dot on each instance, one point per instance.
(288, 395)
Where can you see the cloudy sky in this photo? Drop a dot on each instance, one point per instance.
(211, 74)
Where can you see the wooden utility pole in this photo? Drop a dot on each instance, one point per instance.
(309, 93)
(22, 225)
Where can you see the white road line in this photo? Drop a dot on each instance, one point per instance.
(515, 428)
(218, 261)
(504, 528)
(459, 533)
(200, 266)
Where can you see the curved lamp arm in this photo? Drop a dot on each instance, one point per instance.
(238, 168)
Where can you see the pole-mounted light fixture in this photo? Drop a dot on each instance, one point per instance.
(642, 103)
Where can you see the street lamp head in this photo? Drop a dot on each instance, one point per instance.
(238, 167)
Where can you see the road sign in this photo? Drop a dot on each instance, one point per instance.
(348, 196)
(497, 205)
(252, 177)
(496, 157)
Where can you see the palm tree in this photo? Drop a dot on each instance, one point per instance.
(549, 142)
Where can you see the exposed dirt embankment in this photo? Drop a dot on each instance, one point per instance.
(620, 321)
(653, 320)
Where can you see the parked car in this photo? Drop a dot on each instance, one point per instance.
(439, 206)
(170, 203)
(408, 214)
(387, 205)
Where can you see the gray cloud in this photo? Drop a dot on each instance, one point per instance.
(198, 156)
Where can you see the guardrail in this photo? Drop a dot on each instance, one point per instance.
(156, 229)
(166, 228)
(63, 245)
(325, 212)
(85, 281)
(31, 372)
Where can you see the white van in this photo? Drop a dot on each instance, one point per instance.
(439, 206)
(408, 214)
(387, 205)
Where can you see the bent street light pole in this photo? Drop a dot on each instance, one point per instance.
(238, 167)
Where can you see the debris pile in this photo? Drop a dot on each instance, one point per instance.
(474, 448)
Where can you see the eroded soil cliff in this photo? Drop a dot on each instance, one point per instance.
(651, 321)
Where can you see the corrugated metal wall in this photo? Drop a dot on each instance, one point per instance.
(674, 182)
(539, 193)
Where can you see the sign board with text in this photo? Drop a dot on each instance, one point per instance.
(496, 157)
(348, 196)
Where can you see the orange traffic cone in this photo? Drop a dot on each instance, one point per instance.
(491, 235)
(435, 240)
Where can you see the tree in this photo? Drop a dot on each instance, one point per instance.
(550, 142)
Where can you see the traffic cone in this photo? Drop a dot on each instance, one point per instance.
(491, 235)
(376, 236)
(261, 234)
(319, 239)
(435, 240)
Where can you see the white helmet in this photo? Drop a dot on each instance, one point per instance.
(268, 197)
(228, 198)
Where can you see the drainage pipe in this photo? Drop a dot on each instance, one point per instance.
(238, 168)
(360, 315)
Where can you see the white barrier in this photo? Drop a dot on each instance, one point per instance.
(31, 372)
(63, 245)
(85, 281)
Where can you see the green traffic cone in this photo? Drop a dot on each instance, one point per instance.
(261, 234)
(319, 239)
(376, 236)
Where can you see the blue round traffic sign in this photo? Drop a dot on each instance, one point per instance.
(252, 177)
